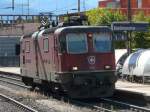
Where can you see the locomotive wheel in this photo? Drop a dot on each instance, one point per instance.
(139, 80)
(135, 79)
(32, 87)
(128, 78)
(57, 91)
(131, 79)
(27, 81)
(46, 88)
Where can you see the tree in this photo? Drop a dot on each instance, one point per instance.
(141, 39)
(100, 16)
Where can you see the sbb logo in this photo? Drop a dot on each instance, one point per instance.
(91, 60)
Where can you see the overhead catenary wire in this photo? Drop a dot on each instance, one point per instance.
(83, 4)
(64, 8)
(59, 9)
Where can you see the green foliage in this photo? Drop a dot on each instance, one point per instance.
(139, 17)
(104, 16)
(66, 19)
(120, 44)
(141, 39)
(99, 16)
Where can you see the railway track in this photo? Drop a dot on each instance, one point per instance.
(105, 105)
(91, 106)
(16, 80)
(17, 104)
(108, 105)
(13, 80)
(115, 105)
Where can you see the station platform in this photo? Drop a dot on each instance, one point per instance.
(134, 88)
(13, 70)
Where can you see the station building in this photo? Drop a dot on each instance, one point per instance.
(10, 42)
(9, 46)
(122, 5)
(12, 27)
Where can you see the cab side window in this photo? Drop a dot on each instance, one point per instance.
(27, 46)
(46, 45)
(62, 45)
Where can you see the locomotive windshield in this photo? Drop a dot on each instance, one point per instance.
(102, 42)
(76, 43)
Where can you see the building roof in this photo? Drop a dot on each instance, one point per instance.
(19, 30)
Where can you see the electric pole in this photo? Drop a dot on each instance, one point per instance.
(79, 7)
(129, 11)
(13, 4)
(84, 5)
(28, 7)
(129, 33)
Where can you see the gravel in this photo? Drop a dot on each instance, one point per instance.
(63, 107)
(37, 101)
(25, 97)
(5, 106)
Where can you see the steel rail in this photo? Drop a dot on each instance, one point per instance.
(132, 107)
(7, 77)
(11, 78)
(18, 104)
(23, 86)
(97, 108)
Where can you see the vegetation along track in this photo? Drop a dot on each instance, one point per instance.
(18, 104)
(13, 79)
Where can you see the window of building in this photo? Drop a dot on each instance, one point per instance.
(27, 46)
(139, 3)
(46, 44)
(113, 5)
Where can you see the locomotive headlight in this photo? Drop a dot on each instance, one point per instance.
(107, 67)
(90, 35)
(74, 68)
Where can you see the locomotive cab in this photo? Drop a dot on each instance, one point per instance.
(86, 60)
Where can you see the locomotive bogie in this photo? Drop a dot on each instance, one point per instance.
(89, 85)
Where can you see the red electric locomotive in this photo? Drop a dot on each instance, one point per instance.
(77, 60)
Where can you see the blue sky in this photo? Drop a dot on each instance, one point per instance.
(36, 6)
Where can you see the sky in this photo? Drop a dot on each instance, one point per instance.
(54, 6)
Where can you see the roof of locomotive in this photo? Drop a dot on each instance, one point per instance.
(46, 31)
(72, 29)
(77, 29)
(58, 30)
(27, 35)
